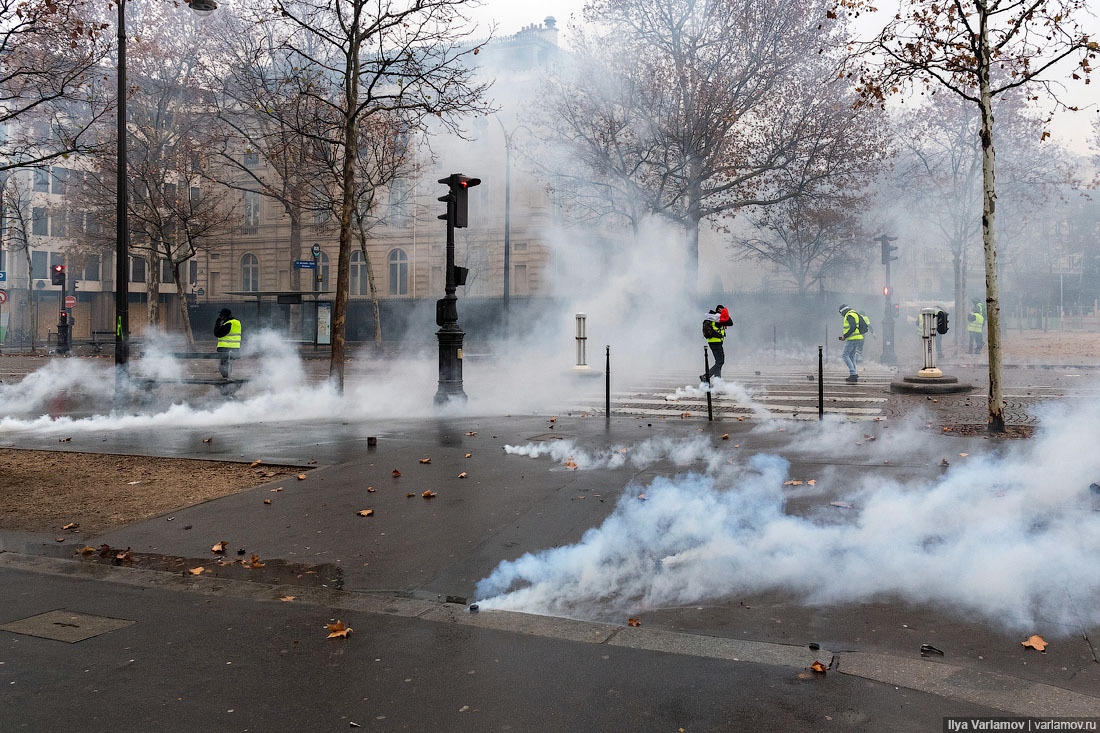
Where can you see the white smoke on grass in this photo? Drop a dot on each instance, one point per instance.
(1011, 537)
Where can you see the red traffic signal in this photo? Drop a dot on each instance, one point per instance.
(57, 277)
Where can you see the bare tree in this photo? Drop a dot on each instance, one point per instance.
(15, 207)
(49, 95)
(979, 50)
(372, 57)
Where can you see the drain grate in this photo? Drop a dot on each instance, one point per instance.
(66, 626)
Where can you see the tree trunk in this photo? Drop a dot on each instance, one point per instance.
(691, 267)
(375, 310)
(960, 298)
(33, 331)
(989, 244)
(294, 211)
(351, 148)
(181, 299)
(152, 288)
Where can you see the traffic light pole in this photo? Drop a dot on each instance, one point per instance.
(450, 334)
(889, 357)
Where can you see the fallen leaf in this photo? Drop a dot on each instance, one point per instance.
(71, 525)
(207, 440)
(254, 562)
(123, 555)
(428, 494)
(396, 473)
(287, 599)
(471, 434)
(255, 463)
(64, 440)
(338, 630)
(792, 483)
(818, 667)
(220, 547)
(740, 419)
(633, 622)
(58, 539)
(370, 489)
(812, 481)
(554, 419)
(197, 571)
(425, 460)
(1035, 642)
(642, 497)
(944, 462)
(684, 414)
(365, 512)
(736, 445)
(804, 675)
(726, 436)
(133, 483)
(571, 463)
(86, 550)
(409, 495)
(964, 455)
(947, 430)
(104, 550)
(278, 489)
(267, 501)
(312, 461)
(469, 454)
(301, 477)
(462, 475)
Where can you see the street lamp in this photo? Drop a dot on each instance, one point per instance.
(508, 206)
(122, 224)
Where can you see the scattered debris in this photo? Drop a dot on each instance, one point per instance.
(726, 436)
(338, 630)
(396, 473)
(814, 646)
(133, 483)
(255, 463)
(312, 462)
(219, 549)
(86, 550)
(812, 481)
(254, 562)
(633, 622)
(818, 667)
(1036, 642)
(642, 497)
(370, 489)
(425, 460)
(287, 599)
(429, 494)
(944, 462)
(471, 434)
(58, 539)
(207, 440)
(409, 495)
(571, 463)
(71, 525)
(469, 454)
(64, 440)
(123, 555)
(840, 504)
(964, 455)
(365, 512)
(197, 571)
(473, 608)
(554, 419)
(792, 483)
(462, 475)
(267, 501)
(928, 650)
(280, 488)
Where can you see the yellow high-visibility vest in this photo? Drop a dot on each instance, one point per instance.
(856, 335)
(231, 340)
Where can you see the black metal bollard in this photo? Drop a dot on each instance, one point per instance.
(820, 385)
(706, 371)
(607, 384)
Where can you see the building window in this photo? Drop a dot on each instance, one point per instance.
(38, 265)
(519, 246)
(57, 225)
(42, 180)
(324, 271)
(250, 273)
(170, 192)
(166, 274)
(137, 269)
(91, 267)
(39, 223)
(399, 272)
(399, 203)
(358, 273)
(519, 281)
(321, 220)
(60, 179)
(195, 196)
(251, 159)
(251, 200)
(437, 284)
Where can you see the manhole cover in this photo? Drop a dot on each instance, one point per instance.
(66, 626)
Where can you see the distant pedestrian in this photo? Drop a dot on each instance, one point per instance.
(852, 332)
(227, 329)
(974, 323)
(715, 324)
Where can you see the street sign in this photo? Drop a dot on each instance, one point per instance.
(316, 250)
(305, 264)
(70, 301)
(200, 291)
(3, 296)
(3, 276)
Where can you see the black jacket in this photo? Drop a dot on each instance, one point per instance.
(221, 326)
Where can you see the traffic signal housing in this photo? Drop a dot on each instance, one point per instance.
(887, 248)
(57, 275)
(941, 321)
(460, 186)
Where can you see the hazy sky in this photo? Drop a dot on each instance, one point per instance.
(1070, 129)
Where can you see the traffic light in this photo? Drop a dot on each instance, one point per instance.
(887, 248)
(941, 322)
(57, 276)
(63, 318)
(460, 186)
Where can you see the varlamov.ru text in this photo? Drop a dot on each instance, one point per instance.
(1019, 724)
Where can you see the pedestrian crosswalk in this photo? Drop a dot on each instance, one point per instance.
(747, 395)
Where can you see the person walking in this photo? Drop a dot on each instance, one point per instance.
(715, 324)
(227, 330)
(974, 324)
(852, 336)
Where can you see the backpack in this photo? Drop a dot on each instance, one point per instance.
(711, 330)
(863, 325)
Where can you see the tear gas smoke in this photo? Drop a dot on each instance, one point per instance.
(1011, 537)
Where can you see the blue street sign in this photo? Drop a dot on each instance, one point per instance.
(305, 264)
(3, 276)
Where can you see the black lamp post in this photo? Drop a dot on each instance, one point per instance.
(508, 207)
(122, 224)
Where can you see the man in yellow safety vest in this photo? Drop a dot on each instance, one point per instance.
(227, 329)
(974, 323)
(852, 336)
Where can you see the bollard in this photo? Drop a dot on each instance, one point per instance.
(820, 385)
(706, 371)
(607, 384)
(582, 343)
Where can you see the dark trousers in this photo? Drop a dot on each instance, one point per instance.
(975, 346)
(719, 352)
(225, 368)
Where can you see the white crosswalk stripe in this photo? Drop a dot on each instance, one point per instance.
(747, 395)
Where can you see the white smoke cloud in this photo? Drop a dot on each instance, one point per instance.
(1012, 537)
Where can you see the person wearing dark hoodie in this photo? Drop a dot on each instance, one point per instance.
(227, 330)
(715, 324)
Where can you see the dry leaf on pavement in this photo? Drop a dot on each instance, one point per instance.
(86, 550)
(1035, 642)
(287, 599)
(726, 436)
(71, 525)
(370, 489)
(301, 477)
(554, 419)
(964, 455)
(472, 433)
(469, 454)
(462, 475)
(428, 494)
(197, 571)
(818, 667)
(254, 562)
(338, 630)
(207, 440)
(396, 473)
(123, 554)
(425, 460)
(276, 489)
(409, 495)
(267, 501)
(365, 512)
(571, 463)
(812, 481)
(633, 622)
(255, 463)
(792, 483)
(220, 547)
